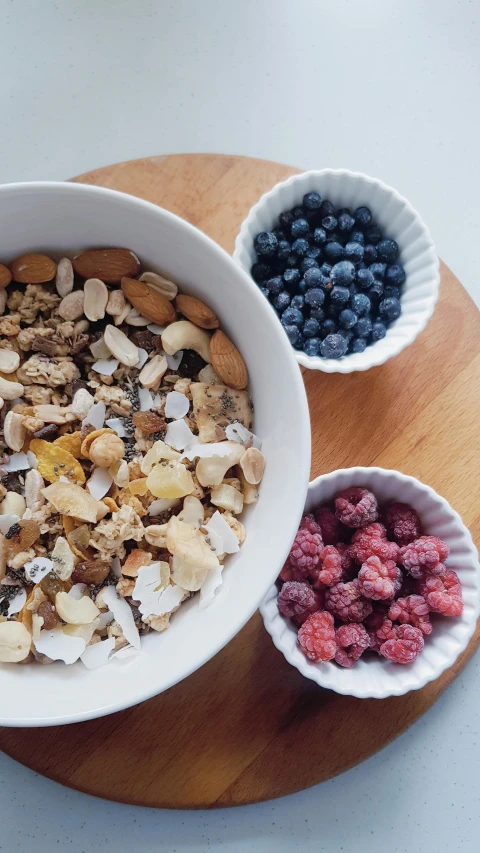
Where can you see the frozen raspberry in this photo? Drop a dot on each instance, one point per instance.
(316, 637)
(330, 567)
(356, 507)
(308, 523)
(305, 552)
(424, 554)
(406, 646)
(286, 572)
(346, 601)
(378, 580)
(412, 610)
(443, 593)
(349, 569)
(329, 525)
(403, 522)
(352, 640)
(372, 541)
(379, 628)
(297, 601)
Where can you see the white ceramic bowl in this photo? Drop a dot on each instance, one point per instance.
(397, 218)
(62, 218)
(376, 677)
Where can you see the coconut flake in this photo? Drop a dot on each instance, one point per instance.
(6, 522)
(142, 358)
(97, 655)
(77, 591)
(118, 426)
(216, 542)
(176, 405)
(123, 615)
(157, 401)
(116, 567)
(16, 603)
(204, 451)
(174, 361)
(106, 366)
(104, 619)
(126, 652)
(218, 525)
(32, 459)
(59, 646)
(145, 399)
(96, 416)
(17, 462)
(179, 435)
(36, 569)
(99, 483)
(155, 329)
(160, 505)
(237, 432)
(155, 599)
(213, 581)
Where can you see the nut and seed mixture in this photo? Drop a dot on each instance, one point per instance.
(126, 455)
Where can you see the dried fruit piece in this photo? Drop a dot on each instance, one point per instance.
(149, 302)
(227, 361)
(149, 422)
(20, 537)
(10, 390)
(72, 500)
(47, 612)
(55, 462)
(91, 572)
(33, 269)
(109, 265)
(170, 479)
(51, 584)
(316, 637)
(197, 312)
(71, 442)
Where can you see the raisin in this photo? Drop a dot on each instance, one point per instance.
(191, 364)
(48, 613)
(149, 422)
(12, 482)
(78, 385)
(20, 537)
(50, 585)
(48, 432)
(90, 572)
(146, 340)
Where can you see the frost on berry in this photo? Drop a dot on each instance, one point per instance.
(424, 554)
(330, 566)
(379, 581)
(371, 541)
(316, 637)
(406, 646)
(352, 640)
(297, 601)
(403, 523)
(412, 610)
(305, 552)
(379, 628)
(346, 601)
(443, 593)
(330, 527)
(308, 523)
(356, 507)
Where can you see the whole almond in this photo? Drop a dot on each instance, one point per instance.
(227, 361)
(33, 269)
(197, 312)
(162, 285)
(71, 306)
(64, 277)
(5, 276)
(116, 303)
(9, 360)
(108, 265)
(148, 302)
(120, 346)
(96, 298)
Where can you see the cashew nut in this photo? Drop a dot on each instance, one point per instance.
(15, 642)
(211, 470)
(185, 335)
(75, 611)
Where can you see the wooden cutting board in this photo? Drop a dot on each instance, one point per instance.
(247, 726)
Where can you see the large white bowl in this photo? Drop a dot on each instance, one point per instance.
(376, 677)
(62, 218)
(397, 218)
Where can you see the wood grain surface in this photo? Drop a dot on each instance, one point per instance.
(235, 731)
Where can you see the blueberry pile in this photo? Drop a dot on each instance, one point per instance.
(331, 276)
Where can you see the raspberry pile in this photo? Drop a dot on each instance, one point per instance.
(365, 578)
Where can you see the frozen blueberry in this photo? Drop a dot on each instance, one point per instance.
(333, 251)
(326, 269)
(294, 335)
(302, 287)
(329, 223)
(345, 222)
(365, 279)
(360, 304)
(379, 330)
(314, 252)
(378, 270)
(373, 234)
(334, 346)
(347, 334)
(292, 317)
(274, 285)
(312, 346)
(260, 272)
(282, 301)
(265, 244)
(308, 264)
(311, 328)
(363, 215)
(291, 261)
(298, 212)
(328, 327)
(370, 254)
(312, 201)
(388, 250)
(327, 209)
(264, 291)
(315, 297)
(343, 273)
(395, 275)
(332, 310)
(363, 327)
(291, 278)
(299, 228)
(390, 309)
(354, 252)
(317, 314)
(313, 277)
(298, 301)
(391, 290)
(300, 246)
(285, 220)
(376, 291)
(347, 318)
(284, 249)
(319, 236)
(358, 345)
(357, 237)
(339, 295)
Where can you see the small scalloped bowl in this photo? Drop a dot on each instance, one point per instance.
(397, 218)
(376, 677)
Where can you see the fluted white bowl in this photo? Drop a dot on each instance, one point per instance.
(396, 217)
(377, 677)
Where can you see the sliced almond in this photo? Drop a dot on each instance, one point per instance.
(9, 360)
(116, 303)
(148, 302)
(120, 346)
(33, 269)
(197, 312)
(109, 265)
(14, 431)
(5, 276)
(64, 277)
(10, 390)
(227, 361)
(161, 284)
(71, 306)
(252, 464)
(153, 371)
(96, 298)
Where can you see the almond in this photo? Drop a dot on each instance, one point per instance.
(109, 265)
(227, 361)
(5, 276)
(197, 312)
(33, 269)
(149, 303)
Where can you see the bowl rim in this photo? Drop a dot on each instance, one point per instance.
(303, 425)
(345, 365)
(269, 612)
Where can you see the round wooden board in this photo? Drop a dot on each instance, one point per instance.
(235, 731)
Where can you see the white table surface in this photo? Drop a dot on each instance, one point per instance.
(388, 88)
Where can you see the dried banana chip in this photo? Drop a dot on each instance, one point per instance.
(55, 462)
(71, 441)
(72, 500)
